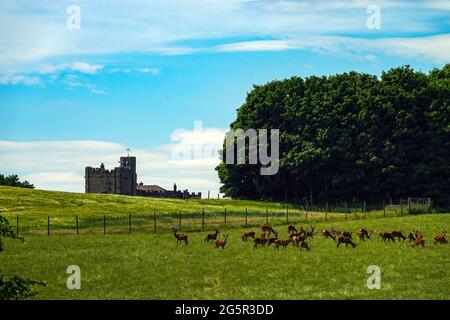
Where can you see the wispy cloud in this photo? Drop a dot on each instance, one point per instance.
(82, 67)
(14, 79)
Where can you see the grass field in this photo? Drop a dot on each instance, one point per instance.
(146, 265)
(33, 207)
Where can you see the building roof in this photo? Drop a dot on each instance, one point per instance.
(152, 187)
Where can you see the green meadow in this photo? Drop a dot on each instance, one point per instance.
(149, 265)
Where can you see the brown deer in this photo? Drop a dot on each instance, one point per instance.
(440, 238)
(272, 240)
(291, 229)
(346, 240)
(260, 241)
(268, 230)
(282, 243)
(398, 234)
(386, 236)
(328, 234)
(248, 234)
(297, 239)
(222, 243)
(212, 236)
(309, 234)
(180, 236)
(363, 234)
(303, 245)
(419, 241)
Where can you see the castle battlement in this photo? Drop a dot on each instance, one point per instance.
(123, 180)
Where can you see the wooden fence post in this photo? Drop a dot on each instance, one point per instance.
(179, 221)
(76, 217)
(409, 205)
(384, 208)
(104, 224)
(48, 225)
(129, 223)
(267, 215)
(246, 217)
(154, 221)
(287, 214)
(225, 217)
(17, 225)
(346, 206)
(306, 211)
(326, 211)
(401, 207)
(203, 218)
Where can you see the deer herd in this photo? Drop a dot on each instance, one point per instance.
(298, 237)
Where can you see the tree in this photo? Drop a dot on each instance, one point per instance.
(14, 287)
(349, 136)
(13, 181)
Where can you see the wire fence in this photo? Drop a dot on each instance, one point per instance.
(117, 223)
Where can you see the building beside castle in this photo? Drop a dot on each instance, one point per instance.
(123, 180)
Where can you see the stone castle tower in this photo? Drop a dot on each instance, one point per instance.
(120, 180)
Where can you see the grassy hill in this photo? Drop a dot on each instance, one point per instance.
(33, 207)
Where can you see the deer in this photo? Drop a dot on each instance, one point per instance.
(309, 234)
(419, 241)
(272, 240)
(363, 234)
(398, 234)
(440, 238)
(291, 229)
(282, 243)
(260, 241)
(222, 243)
(212, 236)
(297, 239)
(346, 240)
(248, 234)
(269, 230)
(327, 234)
(303, 245)
(386, 236)
(180, 236)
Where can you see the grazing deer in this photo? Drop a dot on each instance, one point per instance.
(346, 240)
(398, 234)
(347, 234)
(297, 239)
(440, 238)
(363, 234)
(260, 241)
(268, 230)
(212, 236)
(282, 243)
(411, 237)
(419, 241)
(386, 236)
(222, 243)
(180, 236)
(272, 240)
(309, 234)
(303, 245)
(248, 234)
(291, 229)
(328, 234)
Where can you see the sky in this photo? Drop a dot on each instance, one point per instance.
(82, 81)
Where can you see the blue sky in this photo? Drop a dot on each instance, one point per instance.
(137, 71)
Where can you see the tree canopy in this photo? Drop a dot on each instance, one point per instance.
(13, 181)
(350, 136)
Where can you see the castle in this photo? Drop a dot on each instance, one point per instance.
(123, 180)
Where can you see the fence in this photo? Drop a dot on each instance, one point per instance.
(196, 221)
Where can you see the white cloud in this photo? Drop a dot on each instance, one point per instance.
(33, 32)
(82, 67)
(59, 165)
(12, 79)
(149, 70)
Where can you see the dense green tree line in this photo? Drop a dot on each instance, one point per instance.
(349, 136)
(13, 181)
